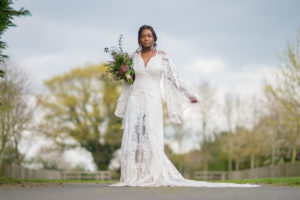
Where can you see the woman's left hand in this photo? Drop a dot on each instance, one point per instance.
(193, 100)
(123, 69)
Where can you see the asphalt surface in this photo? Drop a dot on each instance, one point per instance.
(91, 191)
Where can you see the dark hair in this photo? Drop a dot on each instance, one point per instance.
(152, 31)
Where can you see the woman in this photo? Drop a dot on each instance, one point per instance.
(143, 160)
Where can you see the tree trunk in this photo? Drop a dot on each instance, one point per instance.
(273, 154)
(294, 152)
(205, 162)
(252, 161)
(237, 164)
(229, 155)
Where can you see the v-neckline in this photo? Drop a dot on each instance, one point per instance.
(145, 66)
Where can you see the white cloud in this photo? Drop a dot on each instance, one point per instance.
(223, 76)
(207, 66)
(80, 156)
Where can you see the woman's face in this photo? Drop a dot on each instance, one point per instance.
(146, 39)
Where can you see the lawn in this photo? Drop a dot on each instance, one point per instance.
(9, 181)
(280, 181)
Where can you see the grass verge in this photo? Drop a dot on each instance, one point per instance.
(9, 181)
(279, 181)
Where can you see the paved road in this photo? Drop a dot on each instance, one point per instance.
(90, 191)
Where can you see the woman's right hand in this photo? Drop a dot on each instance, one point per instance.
(123, 69)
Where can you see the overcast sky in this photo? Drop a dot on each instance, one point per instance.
(230, 43)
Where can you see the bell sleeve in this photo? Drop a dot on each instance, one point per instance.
(176, 93)
(122, 101)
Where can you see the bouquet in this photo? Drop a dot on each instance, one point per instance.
(120, 68)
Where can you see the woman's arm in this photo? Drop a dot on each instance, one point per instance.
(178, 96)
(172, 74)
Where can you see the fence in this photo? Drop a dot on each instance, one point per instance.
(16, 171)
(98, 175)
(280, 170)
(211, 175)
(24, 173)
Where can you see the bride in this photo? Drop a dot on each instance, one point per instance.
(143, 160)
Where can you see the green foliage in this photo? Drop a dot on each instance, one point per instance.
(120, 58)
(11, 155)
(284, 97)
(15, 113)
(2, 73)
(277, 181)
(218, 157)
(7, 14)
(78, 106)
(5, 180)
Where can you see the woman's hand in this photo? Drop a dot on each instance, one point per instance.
(123, 69)
(193, 100)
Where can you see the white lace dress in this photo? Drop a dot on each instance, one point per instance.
(143, 160)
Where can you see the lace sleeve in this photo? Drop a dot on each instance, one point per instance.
(122, 101)
(177, 93)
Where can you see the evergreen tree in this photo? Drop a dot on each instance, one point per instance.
(7, 13)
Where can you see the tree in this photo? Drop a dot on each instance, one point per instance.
(230, 110)
(255, 137)
(286, 93)
(238, 144)
(15, 114)
(207, 94)
(7, 14)
(2, 73)
(79, 111)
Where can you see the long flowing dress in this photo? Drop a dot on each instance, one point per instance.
(143, 160)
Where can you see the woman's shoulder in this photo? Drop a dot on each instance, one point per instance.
(163, 55)
(161, 52)
(133, 54)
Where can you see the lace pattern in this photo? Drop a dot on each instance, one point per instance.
(143, 160)
(177, 94)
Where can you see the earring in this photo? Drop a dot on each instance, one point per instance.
(152, 47)
(140, 48)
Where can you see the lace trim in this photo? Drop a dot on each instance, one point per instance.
(177, 94)
(122, 101)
